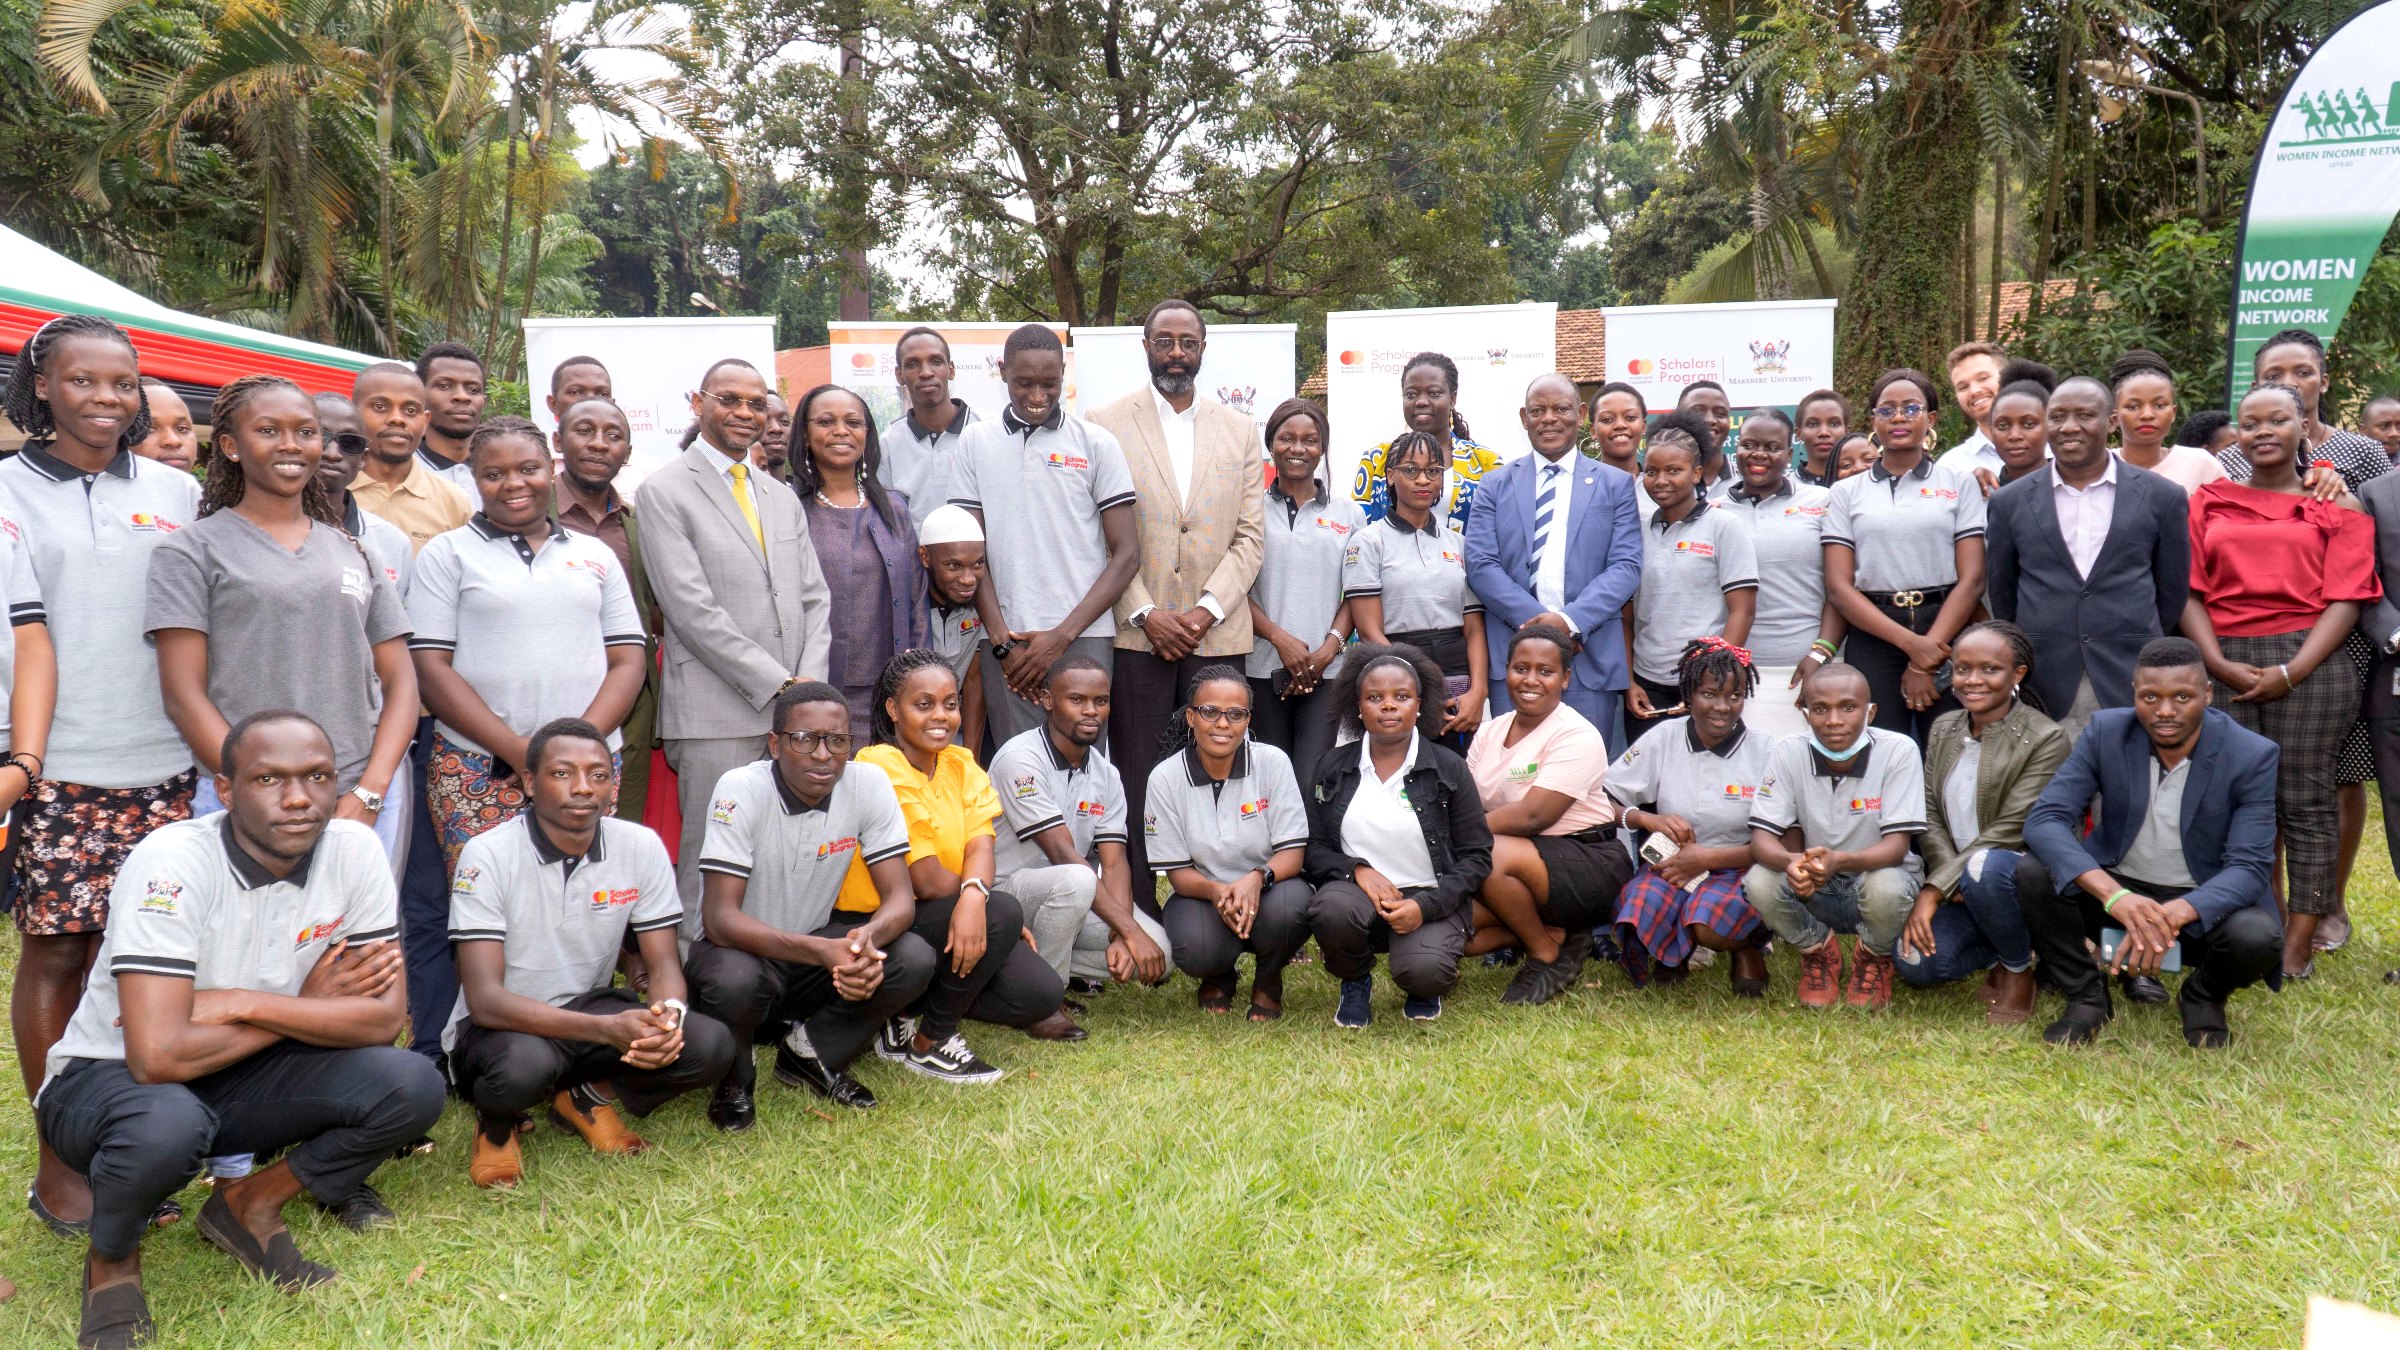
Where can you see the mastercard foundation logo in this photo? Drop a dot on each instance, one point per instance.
(862, 360)
(1353, 359)
(1637, 366)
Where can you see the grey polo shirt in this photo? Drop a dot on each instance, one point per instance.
(388, 546)
(1905, 529)
(1041, 490)
(1299, 582)
(1846, 807)
(924, 464)
(794, 856)
(452, 471)
(285, 630)
(1420, 575)
(956, 635)
(21, 587)
(191, 903)
(1038, 789)
(559, 919)
(1223, 829)
(1689, 566)
(91, 539)
(1787, 542)
(2156, 853)
(529, 629)
(1669, 773)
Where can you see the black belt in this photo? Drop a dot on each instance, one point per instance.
(1910, 599)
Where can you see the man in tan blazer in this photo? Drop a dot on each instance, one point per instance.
(740, 594)
(1200, 487)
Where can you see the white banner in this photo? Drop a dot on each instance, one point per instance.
(1771, 353)
(863, 361)
(654, 365)
(1499, 349)
(1249, 366)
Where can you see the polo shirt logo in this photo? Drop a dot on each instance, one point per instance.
(146, 523)
(1061, 459)
(1256, 808)
(1350, 555)
(1150, 822)
(594, 566)
(10, 528)
(1334, 525)
(970, 625)
(1524, 771)
(1804, 510)
(845, 844)
(1023, 785)
(616, 897)
(317, 933)
(1448, 556)
(1740, 792)
(721, 810)
(161, 897)
(1093, 809)
(1944, 493)
(1862, 804)
(1695, 548)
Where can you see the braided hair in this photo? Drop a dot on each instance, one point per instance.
(2138, 361)
(881, 729)
(1177, 736)
(2020, 653)
(1713, 658)
(1408, 445)
(32, 413)
(497, 428)
(1449, 369)
(224, 485)
(806, 480)
(1366, 657)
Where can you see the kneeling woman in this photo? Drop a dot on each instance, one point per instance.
(1396, 840)
(989, 972)
(1226, 826)
(1556, 862)
(1691, 781)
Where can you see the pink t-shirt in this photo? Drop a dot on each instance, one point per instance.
(1564, 754)
(2188, 468)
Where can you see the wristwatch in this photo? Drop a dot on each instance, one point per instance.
(1002, 649)
(681, 1010)
(373, 801)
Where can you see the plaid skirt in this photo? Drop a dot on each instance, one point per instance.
(2310, 724)
(1660, 912)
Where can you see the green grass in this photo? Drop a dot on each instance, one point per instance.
(1671, 1168)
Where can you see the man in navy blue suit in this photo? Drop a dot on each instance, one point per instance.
(1555, 536)
(2181, 856)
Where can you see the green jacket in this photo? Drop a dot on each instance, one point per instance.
(2020, 753)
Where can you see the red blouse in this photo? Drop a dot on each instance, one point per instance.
(2265, 562)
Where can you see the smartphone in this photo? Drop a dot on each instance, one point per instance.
(2110, 937)
(1656, 849)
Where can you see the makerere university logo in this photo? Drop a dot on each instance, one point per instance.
(2345, 117)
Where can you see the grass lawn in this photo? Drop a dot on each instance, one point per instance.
(1669, 1168)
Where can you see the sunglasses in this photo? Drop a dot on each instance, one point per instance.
(350, 443)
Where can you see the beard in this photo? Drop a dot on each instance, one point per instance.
(1172, 381)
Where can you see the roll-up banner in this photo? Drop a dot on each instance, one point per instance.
(1498, 349)
(864, 361)
(1249, 367)
(2323, 190)
(1769, 354)
(653, 367)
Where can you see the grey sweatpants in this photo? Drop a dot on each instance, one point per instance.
(1058, 908)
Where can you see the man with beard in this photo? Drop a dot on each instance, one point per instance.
(394, 481)
(1201, 525)
(345, 450)
(593, 444)
(743, 604)
(454, 390)
(920, 450)
(773, 453)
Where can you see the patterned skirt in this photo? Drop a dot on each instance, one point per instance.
(74, 839)
(1660, 912)
(464, 799)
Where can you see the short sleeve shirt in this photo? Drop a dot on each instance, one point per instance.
(1222, 829)
(1299, 583)
(1846, 807)
(528, 629)
(944, 811)
(1565, 754)
(423, 506)
(956, 633)
(1905, 529)
(2267, 563)
(1040, 790)
(1689, 566)
(1787, 541)
(1041, 490)
(1419, 575)
(191, 903)
(921, 464)
(387, 548)
(285, 629)
(560, 919)
(796, 858)
(1669, 772)
(21, 589)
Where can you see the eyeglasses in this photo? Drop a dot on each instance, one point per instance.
(1888, 411)
(350, 443)
(730, 402)
(1416, 471)
(1224, 717)
(835, 743)
(1166, 345)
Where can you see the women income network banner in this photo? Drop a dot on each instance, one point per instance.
(1768, 354)
(1498, 349)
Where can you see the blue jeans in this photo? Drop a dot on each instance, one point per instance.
(1873, 905)
(1986, 924)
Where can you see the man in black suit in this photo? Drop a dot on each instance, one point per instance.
(2090, 556)
(2380, 626)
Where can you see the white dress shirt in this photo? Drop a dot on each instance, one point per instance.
(723, 461)
(1179, 430)
(1550, 569)
(1975, 452)
(1380, 827)
(2084, 515)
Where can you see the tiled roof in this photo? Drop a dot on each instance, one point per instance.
(800, 369)
(2017, 296)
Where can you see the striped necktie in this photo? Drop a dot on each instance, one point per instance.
(741, 498)
(1545, 510)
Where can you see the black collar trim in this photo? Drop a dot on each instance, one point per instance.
(961, 417)
(793, 805)
(251, 872)
(1740, 492)
(1323, 494)
(552, 853)
(1723, 749)
(1660, 522)
(1198, 772)
(1017, 425)
(1059, 758)
(1924, 469)
(1433, 524)
(50, 466)
(1854, 767)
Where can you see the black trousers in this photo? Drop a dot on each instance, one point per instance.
(1349, 932)
(1206, 948)
(1012, 986)
(425, 913)
(1884, 664)
(2236, 953)
(504, 1074)
(340, 1112)
(2380, 706)
(1302, 727)
(746, 992)
(1662, 697)
(1144, 692)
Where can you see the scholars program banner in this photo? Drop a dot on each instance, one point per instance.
(1498, 349)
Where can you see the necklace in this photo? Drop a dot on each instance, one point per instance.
(832, 505)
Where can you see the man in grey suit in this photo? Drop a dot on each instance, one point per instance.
(744, 604)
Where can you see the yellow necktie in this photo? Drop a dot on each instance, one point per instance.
(741, 498)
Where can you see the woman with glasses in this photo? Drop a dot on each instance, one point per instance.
(518, 622)
(1297, 612)
(1904, 558)
(1405, 577)
(1228, 830)
(866, 540)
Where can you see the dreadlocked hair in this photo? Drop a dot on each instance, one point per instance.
(1449, 369)
(1178, 733)
(1704, 659)
(32, 413)
(2020, 653)
(881, 729)
(1366, 657)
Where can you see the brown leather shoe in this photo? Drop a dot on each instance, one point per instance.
(1057, 1027)
(1870, 980)
(2012, 1001)
(501, 1164)
(1990, 992)
(1747, 973)
(1821, 974)
(601, 1127)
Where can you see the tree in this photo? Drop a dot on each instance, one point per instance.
(1681, 221)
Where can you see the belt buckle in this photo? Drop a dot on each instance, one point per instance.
(1907, 599)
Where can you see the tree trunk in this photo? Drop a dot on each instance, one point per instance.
(384, 117)
(1966, 272)
(2061, 119)
(544, 113)
(508, 226)
(1999, 237)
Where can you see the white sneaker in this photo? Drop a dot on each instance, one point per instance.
(894, 1040)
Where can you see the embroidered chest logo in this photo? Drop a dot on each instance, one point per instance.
(1693, 548)
(10, 528)
(1060, 459)
(612, 898)
(1338, 528)
(1859, 805)
(1740, 792)
(1093, 809)
(1449, 557)
(1250, 810)
(145, 523)
(1944, 494)
(318, 932)
(721, 810)
(162, 897)
(970, 624)
(1804, 511)
(834, 847)
(597, 568)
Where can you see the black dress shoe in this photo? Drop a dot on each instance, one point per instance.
(802, 1071)
(2079, 1025)
(730, 1108)
(1077, 984)
(2143, 988)
(1057, 1027)
(2204, 1026)
(363, 1212)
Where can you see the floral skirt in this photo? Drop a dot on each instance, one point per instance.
(74, 839)
(464, 799)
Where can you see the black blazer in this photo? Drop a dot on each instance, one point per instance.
(2089, 626)
(1449, 810)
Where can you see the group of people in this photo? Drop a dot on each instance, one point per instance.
(947, 701)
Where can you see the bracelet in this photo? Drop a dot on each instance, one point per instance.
(33, 770)
(2287, 676)
(682, 1010)
(2109, 906)
(978, 883)
(1824, 647)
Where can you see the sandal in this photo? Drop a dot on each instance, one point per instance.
(1264, 1012)
(115, 1317)
(278, 1259)
(1215, 998)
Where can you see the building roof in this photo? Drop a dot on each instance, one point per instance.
(800, 369)
(2016, 298)
(1582, 351)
